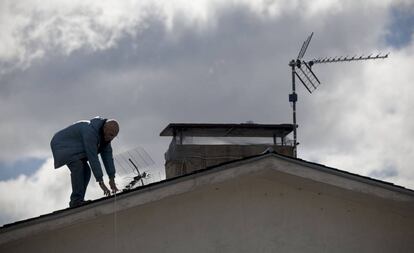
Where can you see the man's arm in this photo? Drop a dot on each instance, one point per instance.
(90, 144)
(108, 162)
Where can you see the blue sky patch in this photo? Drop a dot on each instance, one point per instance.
(26, 166)
(401, 27)
(384, 173)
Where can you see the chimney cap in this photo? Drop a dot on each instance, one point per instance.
(227, 130)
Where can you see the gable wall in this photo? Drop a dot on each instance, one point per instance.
(260, 212)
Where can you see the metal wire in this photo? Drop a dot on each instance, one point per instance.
(115, 225)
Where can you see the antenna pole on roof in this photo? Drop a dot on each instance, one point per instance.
(139, 174)
(303, 71)
(293, 97)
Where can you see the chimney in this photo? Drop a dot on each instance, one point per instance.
(198, 146)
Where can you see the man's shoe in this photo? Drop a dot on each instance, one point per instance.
(79, 203)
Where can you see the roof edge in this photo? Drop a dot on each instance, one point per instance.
(173, 186)
(348, 175)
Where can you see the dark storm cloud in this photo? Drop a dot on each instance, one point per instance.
(148, 80)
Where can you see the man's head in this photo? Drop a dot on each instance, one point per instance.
(110, 129)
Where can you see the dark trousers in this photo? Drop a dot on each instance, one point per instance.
(80, 174)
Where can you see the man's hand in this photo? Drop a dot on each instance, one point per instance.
(104, 188)
(113, 185)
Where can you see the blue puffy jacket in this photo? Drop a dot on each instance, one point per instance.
(84, 139)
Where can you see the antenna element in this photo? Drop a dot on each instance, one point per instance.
(303, 71)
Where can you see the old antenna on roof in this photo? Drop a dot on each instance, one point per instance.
(303, 71)
(137, 166)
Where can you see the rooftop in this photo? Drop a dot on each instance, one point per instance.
(220, 167)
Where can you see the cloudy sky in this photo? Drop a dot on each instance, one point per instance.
(148, 63)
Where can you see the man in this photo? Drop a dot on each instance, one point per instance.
(81, 143)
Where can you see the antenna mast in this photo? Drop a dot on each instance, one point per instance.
(303, 71)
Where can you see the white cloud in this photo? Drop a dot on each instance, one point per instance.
(32, 29)
(45, 191)
(365, 119)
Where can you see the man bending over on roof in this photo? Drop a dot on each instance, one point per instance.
(81, 143)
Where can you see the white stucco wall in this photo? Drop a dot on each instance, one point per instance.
(264, 211)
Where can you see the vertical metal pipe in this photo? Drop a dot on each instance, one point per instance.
(294, 111)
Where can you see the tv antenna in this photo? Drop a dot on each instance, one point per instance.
(303, 71)
(137, 168)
